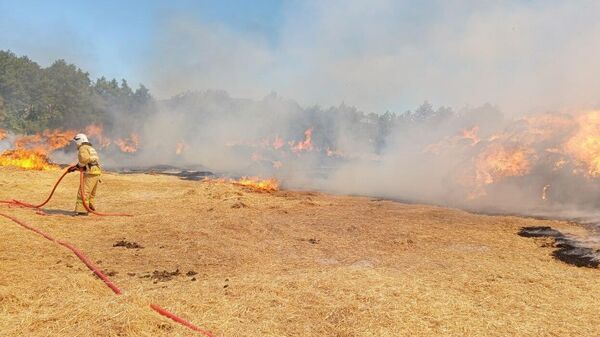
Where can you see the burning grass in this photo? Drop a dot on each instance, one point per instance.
(258, 184)
(255, 184)
(129, 145)
(286, 264)
(26, 159)
(31, 151)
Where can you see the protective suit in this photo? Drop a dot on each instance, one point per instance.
(88, 160)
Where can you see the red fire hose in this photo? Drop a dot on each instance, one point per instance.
(77, 252)
(92, 267)
(179, 320)
(21, 203)
(84, 258)
(81, 191)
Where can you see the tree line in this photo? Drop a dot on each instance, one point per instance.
(33, 98)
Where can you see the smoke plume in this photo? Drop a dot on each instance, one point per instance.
(519, 134)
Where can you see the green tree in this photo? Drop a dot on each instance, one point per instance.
(63, 96)
(69, 96)
(2, 113)
(22, 87)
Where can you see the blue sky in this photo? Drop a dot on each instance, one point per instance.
(377, 55)
(108, 37)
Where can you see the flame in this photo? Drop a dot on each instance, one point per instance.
(497, 163)
(277, 143)
(258, 184)
(569, 142)
(45, 142)
(305, 145)
(504, 163)
(26, 159)
(129, 145)
(31, 151)
(57, 139)
(584, 145)
(97, 132)
(254, 183)
(546, 126)
(472, 135)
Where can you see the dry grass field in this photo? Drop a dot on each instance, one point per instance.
(241, 263)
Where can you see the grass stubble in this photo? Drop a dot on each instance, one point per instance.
(241, 263)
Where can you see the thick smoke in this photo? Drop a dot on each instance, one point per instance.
(474, 158)
(392, 55)
(527, 59)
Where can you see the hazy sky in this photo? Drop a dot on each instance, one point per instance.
(377, 55)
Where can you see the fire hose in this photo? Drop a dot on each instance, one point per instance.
(24, 204)
(74, 249)
(81, 192)
(84, 258)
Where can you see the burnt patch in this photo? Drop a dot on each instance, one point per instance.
(539, 232)
(569, 253)
(568, 250)
(162, 276)
(127, 244)
(191, 173)
(312, 241)
(165, 327)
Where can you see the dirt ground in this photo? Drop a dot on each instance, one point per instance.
(240, 263)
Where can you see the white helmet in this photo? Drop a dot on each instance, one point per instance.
(80, 139)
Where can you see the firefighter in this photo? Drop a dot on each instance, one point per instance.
(88, 161)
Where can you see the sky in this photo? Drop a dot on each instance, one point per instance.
(108, 38)
(378, 55)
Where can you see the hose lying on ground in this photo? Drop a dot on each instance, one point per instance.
(84, 258)
(24, 204)
(179, 320)
(105, 278)
(76, 251)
